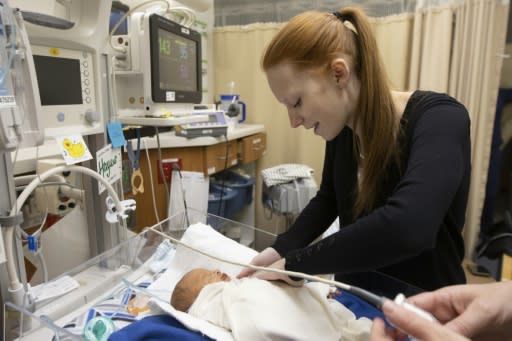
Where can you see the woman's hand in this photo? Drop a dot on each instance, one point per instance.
(264, 258)
(276, 276)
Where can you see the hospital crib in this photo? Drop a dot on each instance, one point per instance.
(132, 283)
(115, 283)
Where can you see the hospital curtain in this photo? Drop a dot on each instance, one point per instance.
(458, 49)
(450, 48)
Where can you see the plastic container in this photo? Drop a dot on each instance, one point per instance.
(221, 200)
(242, 184)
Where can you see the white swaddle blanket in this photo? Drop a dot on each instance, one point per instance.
(251, 309)
(255, 309)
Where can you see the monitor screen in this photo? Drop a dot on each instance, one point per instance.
(59, 80)
(177, 59)
(175, 62)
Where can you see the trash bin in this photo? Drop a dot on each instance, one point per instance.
(220, 200)
(243, 185)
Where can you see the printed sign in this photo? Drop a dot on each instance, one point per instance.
(109, 165)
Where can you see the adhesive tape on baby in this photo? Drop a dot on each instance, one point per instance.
(99, 329)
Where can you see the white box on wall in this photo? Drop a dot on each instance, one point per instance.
(48, 196)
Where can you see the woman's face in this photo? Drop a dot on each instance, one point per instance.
(313, 99)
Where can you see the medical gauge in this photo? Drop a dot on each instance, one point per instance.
(175, 62)
(158, 70)
(65, 79)
(215, 126)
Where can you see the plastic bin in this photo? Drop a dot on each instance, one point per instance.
(242, 184)
(220, 200)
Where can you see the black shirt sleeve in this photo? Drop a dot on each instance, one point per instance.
(434, 185)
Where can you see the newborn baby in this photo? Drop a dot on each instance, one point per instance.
(187, 289)
(254, 309)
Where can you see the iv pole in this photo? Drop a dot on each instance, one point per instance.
(7, 183)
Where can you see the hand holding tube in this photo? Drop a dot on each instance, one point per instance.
(264, 258)
(410, 324)
(275, 276)
(478, 311)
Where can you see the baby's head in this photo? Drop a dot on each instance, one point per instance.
(189, 286)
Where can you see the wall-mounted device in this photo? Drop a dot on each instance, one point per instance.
(164, 75)
(66, 87)
(68, 41)
(20, 108)
(50, 196)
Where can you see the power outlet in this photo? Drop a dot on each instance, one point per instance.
(167, 167)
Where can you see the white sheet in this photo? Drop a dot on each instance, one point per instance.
(324, 315)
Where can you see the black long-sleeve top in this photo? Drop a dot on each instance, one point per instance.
(414, 232)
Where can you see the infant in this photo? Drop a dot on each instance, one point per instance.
(187, 289)
(254, 309)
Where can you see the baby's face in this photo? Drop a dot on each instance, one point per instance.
(202, 277)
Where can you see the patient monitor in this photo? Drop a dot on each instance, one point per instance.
(68, 40)
(160, 72)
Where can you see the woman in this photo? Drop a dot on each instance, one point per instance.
(396, 169)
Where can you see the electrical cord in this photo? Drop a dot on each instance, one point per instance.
(17, 291)
(188, 15)
(176, 167)
(483, 248)
(112, 87)
(153, 197)
(161, 168)
(222, 187)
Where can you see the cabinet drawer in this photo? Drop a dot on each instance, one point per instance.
(253, 147)
(216, 155)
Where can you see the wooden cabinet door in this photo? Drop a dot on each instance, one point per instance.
(220, 156)
(253, 147)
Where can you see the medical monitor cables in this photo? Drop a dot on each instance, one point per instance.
(116, 209)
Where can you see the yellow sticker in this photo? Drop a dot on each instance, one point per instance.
(54, 51)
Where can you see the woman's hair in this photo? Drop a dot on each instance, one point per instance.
(311, 40)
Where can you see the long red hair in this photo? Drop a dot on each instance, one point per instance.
(312, 40)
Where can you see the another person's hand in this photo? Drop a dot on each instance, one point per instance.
(477, 311)
(264, 258)
(276, 276)
(411, 324)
